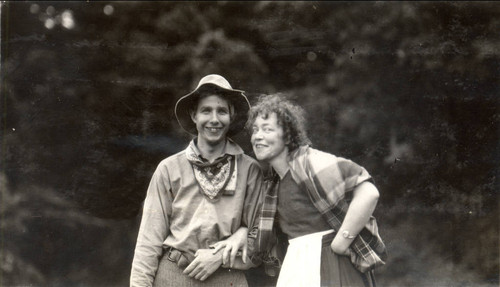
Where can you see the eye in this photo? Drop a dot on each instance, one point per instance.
(204, 110)
(223, 111)
(254, 129)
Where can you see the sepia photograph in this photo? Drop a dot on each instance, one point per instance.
(249, 143)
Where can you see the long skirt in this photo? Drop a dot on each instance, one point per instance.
(310, 262)
(170, 275)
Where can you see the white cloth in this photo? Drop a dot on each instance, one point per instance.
(301, 266)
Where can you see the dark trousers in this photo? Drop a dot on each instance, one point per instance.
(257, 277)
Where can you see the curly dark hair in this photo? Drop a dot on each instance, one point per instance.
(291, 118)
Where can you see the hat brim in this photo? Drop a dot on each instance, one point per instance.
(237, 98)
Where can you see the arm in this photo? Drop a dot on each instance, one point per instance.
(204, 264)
(153, 230)
(365, 197)
(207, 262)
(253, 205)
(237, 241)
(241, 263)
(240, 240)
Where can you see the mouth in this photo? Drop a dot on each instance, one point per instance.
(213, 130)
(259, 146)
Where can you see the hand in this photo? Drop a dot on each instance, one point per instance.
(231, 246)
(204, 264)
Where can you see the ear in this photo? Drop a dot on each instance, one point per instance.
(232, 113)
(193, 116)
(231, 118)
(288, 140)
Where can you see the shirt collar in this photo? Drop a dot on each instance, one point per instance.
(231, 148)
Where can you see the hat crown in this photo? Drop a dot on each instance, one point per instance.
(215, 79)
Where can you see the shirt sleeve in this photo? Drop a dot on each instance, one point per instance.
(153, 230)
(253, 193)
(352, 173)
(253, 204)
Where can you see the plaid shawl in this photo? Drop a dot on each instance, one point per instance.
(320, 174)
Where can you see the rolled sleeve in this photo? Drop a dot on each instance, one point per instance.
(352, 173)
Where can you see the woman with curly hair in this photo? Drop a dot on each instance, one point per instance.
(321, 203)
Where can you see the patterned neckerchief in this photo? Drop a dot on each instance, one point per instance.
(213, 177)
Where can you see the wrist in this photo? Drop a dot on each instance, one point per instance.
(338, 248)
(242, 231)
(340, 244)
(347, 235)
(219, 256)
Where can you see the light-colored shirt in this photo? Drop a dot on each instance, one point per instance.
(177, 213)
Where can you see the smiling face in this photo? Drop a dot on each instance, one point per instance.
(212, 118)
(267, 140)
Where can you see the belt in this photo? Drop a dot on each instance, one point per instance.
(183, 259)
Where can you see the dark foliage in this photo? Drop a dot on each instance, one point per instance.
(407, 89)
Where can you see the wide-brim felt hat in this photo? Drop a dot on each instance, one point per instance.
(217, 85)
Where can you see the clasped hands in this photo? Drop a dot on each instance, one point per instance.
(207, 261)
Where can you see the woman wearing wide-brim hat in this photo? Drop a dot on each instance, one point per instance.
(218, 85)
(202, 195)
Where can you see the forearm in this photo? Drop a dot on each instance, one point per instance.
(363, 204)
(148, 250)
(143, 271)
(146, 259)
(239, 264)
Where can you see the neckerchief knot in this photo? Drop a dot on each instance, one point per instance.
(213, 177)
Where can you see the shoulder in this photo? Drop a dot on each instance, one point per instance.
(321, 158)
(248, 160)
(317, 157)
(173, 161)
(248, 165)
(319, 153)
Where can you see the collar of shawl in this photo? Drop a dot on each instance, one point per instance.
(219, 176)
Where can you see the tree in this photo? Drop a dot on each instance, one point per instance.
(408, 90)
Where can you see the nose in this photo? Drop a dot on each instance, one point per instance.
(257, 135)
(214, 118)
